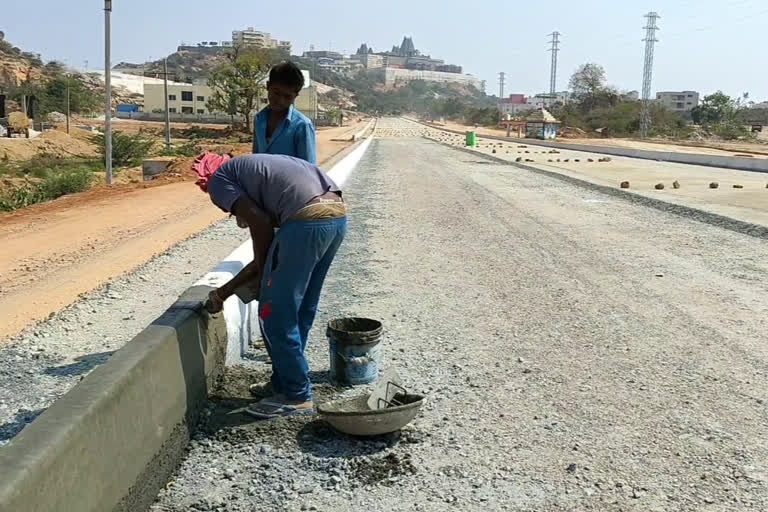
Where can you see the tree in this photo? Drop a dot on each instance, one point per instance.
(716, 108)
(238, 82)
(53, 95)
(723, 114)
(587, 83)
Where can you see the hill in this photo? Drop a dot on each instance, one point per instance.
(365, 90)
(24, 73)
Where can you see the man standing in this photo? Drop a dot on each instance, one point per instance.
(266, 192)
(279, 128)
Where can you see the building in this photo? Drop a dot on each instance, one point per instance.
(631, 96)
(541, 125)
(546, 100)
(182, 98)
(397, 76)
(369, 60)
(258, 39)
(514, 105)
(322, 54)
(678, 101)
(191, 99)
(343, 65)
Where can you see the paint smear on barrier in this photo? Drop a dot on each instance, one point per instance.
(243, 319)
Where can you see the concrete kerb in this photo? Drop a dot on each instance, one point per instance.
(359, 134)
(114, 440)
(727, 162)
(722, 221)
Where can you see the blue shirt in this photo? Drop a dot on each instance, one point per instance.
(294, 136)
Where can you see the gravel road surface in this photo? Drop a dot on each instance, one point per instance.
(579, 352)
(46, 360)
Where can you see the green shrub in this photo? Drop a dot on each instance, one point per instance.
(51, 187)
(731, 131)
(21, 197)
(189, 148)
(127, 149)
(66, 182)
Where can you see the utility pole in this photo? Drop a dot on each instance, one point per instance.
(555, 42)
(167, 112)
(68, 110)
(502, 77)
(108, 87)
(650, 41)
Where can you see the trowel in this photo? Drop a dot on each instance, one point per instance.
(249, 291)
(246, 293)
(388, 385)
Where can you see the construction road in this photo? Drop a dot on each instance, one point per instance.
(579, 352)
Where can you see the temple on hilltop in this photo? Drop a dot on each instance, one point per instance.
(405, 56)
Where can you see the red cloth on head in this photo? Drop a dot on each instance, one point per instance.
(206, 166)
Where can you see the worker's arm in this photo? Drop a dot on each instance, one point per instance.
(255, 137)
(262, 232)
(305, 143)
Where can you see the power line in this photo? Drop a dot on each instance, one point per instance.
(555, 48)
(650, 42)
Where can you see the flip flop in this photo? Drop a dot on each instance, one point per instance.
(268, 409)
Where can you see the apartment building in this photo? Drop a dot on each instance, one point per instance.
(678, 101)
(258, 39)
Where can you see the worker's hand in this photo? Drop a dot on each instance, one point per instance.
(214, 304)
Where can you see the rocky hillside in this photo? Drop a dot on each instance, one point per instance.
(16, 65)
(23, 72)
(185, 65)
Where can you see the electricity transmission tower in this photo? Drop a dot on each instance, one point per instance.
(502, 77)
(555, 42)
(650, 41)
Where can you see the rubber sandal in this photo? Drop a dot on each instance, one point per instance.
(267, 409)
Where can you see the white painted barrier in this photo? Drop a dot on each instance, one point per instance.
(242, 319)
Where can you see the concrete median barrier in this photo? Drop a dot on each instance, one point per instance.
(113, 441)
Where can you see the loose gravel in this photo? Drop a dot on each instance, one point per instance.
(579, 352)
(46, 360)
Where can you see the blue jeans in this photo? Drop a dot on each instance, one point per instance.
(296, 266)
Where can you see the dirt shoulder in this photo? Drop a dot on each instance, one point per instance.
(55, 251)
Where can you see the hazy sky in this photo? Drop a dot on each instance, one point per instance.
(704, 45)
